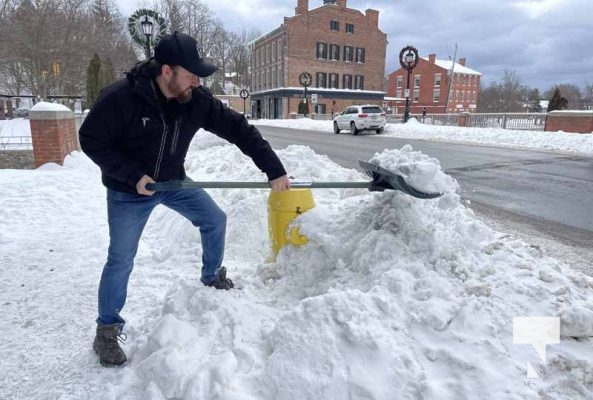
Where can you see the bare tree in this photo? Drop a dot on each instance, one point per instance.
(47, 44)
(241, 54)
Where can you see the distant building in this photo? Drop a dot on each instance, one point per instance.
(342, 48)
(429, 81)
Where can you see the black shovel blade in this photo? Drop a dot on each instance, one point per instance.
(384, 179)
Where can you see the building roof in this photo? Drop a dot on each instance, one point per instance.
(459, 69)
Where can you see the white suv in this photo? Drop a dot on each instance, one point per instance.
(360, 118)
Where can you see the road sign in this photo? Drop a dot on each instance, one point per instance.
(244, 94)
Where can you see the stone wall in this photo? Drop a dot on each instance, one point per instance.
(16, 159)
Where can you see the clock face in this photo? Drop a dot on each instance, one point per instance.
(305, 79)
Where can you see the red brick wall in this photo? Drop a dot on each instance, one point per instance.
(304, 31)
(570, 121)
(52, 139)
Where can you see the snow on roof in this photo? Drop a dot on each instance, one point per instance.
(460, 69)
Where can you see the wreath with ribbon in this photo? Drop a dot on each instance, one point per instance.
(135, 26)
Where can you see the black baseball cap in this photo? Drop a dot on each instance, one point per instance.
(180, 49)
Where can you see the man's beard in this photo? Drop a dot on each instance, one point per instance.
(182, 96)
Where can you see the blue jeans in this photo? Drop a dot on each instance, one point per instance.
(127, 216)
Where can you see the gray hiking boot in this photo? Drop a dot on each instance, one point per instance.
(107, 347)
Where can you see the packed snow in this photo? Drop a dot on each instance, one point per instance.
(393, 297)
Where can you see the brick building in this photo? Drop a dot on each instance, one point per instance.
(429, 82)
(342, 48)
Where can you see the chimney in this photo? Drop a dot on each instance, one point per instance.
(461, 61)
(341, 3)
(373, 17)
(432, 58)
(302, 7)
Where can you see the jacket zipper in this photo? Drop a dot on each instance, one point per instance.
(175, 135)
(161, 150)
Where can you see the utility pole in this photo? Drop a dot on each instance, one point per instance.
(450, 80)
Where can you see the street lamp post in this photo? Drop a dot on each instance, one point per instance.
(147, 27)
(305, 79)
(408, 58)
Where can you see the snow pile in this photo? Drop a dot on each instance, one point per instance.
(418, 170)
(46, 106)
(392, 298)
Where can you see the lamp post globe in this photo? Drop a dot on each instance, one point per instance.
(408, 58)
(147, 29)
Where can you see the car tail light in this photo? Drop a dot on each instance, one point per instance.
(362, 115)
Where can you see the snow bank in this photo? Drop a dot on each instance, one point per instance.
(393, 297)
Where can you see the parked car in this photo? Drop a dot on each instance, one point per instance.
(21, 112)
(358, 118)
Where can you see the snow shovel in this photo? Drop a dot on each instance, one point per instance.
(382, 180)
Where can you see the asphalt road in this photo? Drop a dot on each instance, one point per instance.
(545, 192)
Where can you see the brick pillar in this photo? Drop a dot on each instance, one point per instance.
(2, 110)
(53, 134)
(463, 117)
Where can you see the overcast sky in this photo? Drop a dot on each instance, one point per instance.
(545, 42)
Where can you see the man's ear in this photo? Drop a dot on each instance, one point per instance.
(166, 70)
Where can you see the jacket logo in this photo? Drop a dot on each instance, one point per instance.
(145, 120)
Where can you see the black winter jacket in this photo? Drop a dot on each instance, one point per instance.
(128, 133)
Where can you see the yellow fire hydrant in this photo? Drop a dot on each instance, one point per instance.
(283, 207)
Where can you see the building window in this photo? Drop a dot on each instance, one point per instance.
(348, 54)
(437, 79)
(267, 54)
(280, 82)
(399, 82)
(398, 93)
(321, 80)
(334, 52)
(322, 50)
(273, 51)
(359, 55)
(416, 81)
(334, 81)
(275, 77)
(416, 95)
(334, 26)
(349, 28)
(436, 95)
(347, 82)
(359, 82)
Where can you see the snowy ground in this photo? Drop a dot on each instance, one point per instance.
(393, 297)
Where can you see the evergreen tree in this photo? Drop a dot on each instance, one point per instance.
(304, 107)
(107, 74)
(533, 98)
(216, 88)
(557, 102)
(92, 80)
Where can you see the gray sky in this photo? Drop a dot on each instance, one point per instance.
(545, 42)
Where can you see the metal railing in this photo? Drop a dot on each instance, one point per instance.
(16, 143)
(518, 121)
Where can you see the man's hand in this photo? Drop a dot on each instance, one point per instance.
(281, 184)
(141, 185)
